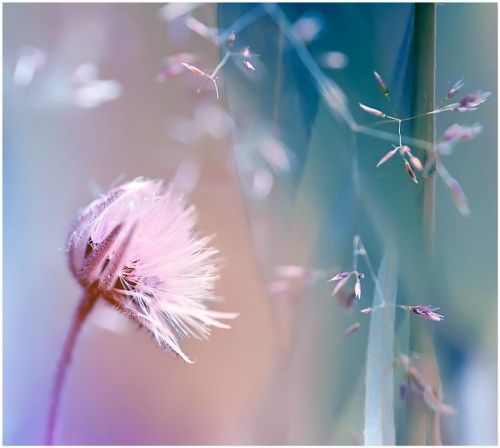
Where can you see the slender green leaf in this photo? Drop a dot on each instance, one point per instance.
(379, 409)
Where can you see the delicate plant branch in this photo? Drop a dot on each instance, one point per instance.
(336, 102)
(451, 136)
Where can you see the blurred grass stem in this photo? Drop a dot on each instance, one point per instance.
(424, 91)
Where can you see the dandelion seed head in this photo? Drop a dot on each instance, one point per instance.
(136, 247)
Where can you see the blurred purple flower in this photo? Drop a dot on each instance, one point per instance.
(458, 196)
(472, 101)
(350, 330)
(403, 391)
(346, 299)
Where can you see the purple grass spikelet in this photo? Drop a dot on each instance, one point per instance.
(410, 171)
(456, 87)
(387, 156)
(381, 84)
(339, 276)
(350, 330)
(458, 196)
(357, 289)
(427, 312)
(372, 111)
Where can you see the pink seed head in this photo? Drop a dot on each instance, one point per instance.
(136, 247)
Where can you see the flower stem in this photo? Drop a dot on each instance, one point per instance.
(86, 304)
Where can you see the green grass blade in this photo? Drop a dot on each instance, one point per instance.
(379, 409)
